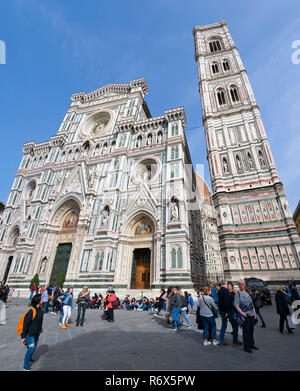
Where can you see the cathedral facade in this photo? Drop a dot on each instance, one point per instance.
(107, 200)
(257, 234)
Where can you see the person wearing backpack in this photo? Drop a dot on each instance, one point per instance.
(30, 327)
(110, 304)
(68, 305)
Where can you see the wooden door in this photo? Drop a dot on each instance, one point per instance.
(142, 269)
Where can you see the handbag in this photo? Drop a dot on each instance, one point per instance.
(213, 310)
(290, 322)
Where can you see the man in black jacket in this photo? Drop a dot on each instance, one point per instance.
(224, 302)
(282, 309)
(32, 328)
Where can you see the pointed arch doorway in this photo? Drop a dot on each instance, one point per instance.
(141, 271)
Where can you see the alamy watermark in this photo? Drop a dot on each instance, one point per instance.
(296, 53)
(2, 52)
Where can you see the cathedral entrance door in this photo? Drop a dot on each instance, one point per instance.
(61, 261)
(8, 268)
(141, 269)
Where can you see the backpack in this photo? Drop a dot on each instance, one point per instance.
(21, 321)
(115, 304)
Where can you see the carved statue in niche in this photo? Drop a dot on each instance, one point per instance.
(261, 159)
(238, 163)
(92, 178)
(225, 166)
(58, 183)
(174, 211)
(149, 139)
(139, 142)
(26, 227)
(104, 150)
(250, 162)
(159, 138)
(43, 265)
(104, 218)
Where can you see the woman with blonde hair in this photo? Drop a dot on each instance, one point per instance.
(82, 301)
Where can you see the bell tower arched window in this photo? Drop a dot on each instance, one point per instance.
(234, 94)
(226, 65)
(221, 97)
(215, 68)
(215, 46)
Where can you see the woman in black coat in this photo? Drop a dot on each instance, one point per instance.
(282, 309)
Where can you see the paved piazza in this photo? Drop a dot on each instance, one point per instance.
(137, 341)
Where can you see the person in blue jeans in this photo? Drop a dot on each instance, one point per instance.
(233, 322)
(45, 297)
(176, 305)
(32, 328)
(206, 305)
(183, 310)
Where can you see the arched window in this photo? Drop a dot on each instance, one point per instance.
(226, 65)
(221, 97)
(215, 68)
(215, 46)
(179, 258)
(234, 94)
(174, 131)
(173, 258)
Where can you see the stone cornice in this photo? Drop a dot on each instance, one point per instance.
(152, 123)
(209, 26)
(117, 88)
(58, 140)
(32, 147)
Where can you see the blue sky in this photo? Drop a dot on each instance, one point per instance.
(56, 48)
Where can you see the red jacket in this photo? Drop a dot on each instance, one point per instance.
(33, 288)
(110, 299)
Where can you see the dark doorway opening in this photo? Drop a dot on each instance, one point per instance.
(8, 266)
(61, 261)
(140, 276)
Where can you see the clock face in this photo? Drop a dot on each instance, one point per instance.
(96, 124)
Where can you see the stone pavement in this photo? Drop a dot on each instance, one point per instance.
(138, 341)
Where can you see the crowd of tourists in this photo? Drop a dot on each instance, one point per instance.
(241, 307)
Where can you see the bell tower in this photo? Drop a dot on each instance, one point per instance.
(256, 230)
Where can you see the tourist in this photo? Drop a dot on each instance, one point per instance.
(176, 305)
(145, 305)
(125, 303)
(183, 310)
(186, 297)
(110, 304)
(191, 301)
(214, 293)
(68, 305)
(167, 297)
(152, 303)
(244, 306)
(282, 310)
(224, 303)
(133, 304)
(32, 290)
(32, 328)
(231, 312)
(257, 301)
(10, 296)
(208, 307)
(3, 299)
(45, 297)
(161, 302)
(83, 302)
